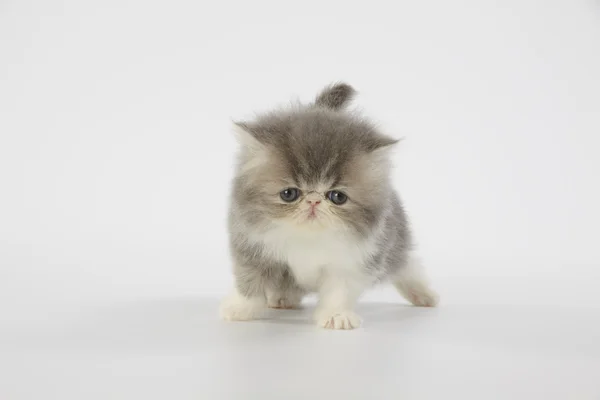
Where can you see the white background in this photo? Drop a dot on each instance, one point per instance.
(116, 151)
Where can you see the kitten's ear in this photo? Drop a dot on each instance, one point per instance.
(253, 152)
(336, 96)
(381, 144)
(245, 136)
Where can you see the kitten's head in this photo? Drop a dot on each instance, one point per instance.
(315, 167)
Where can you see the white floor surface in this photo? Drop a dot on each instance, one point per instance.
(178, 349)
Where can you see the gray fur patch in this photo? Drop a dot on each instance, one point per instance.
(336, 96)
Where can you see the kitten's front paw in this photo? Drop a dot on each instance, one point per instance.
(285, 303)
(239, 308)
(338, 320)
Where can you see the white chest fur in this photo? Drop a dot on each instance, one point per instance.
(310, 253)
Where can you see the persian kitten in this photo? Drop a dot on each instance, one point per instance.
(313, 210)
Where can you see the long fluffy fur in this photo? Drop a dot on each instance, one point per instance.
(336, 96)
(279, 253)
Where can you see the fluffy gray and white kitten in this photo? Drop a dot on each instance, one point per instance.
(313, 210)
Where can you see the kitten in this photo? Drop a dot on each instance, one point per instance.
(313, 210)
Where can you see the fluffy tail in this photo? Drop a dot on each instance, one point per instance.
(336, 96)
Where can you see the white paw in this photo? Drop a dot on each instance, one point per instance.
(286, 300)
(236, 307)
(339, 320)
(283, 303)
(423, 298)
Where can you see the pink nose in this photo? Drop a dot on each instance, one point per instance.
(313, 202)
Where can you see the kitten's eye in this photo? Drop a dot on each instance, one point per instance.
(336, 197)
(289, 194)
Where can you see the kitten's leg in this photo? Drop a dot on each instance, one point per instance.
(287, 299)
(283, 291)
(337, 297)
(247, 300)
(412, 283)
(237, 307)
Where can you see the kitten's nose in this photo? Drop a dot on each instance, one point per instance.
(313, 199)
